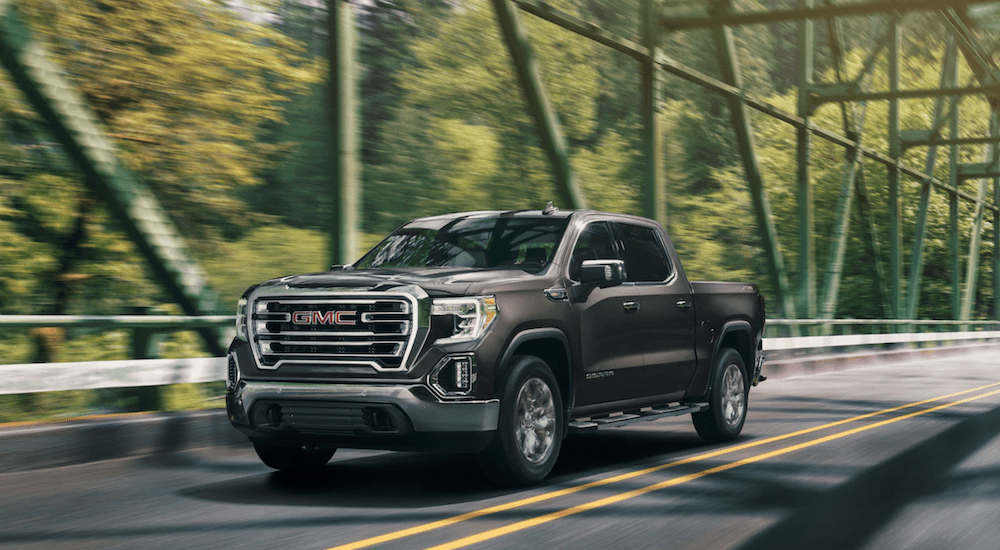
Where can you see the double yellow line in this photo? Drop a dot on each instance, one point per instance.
(514, 527)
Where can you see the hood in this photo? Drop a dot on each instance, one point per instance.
(440, 281)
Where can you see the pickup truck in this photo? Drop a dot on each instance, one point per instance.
(497, 333)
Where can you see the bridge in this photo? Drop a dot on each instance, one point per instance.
(870, 433)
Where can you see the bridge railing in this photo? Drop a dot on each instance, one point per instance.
(842, 335)
(851, 334)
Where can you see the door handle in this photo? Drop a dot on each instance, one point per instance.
(631, 306)
(684, 305)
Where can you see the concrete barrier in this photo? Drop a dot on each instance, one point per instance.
(32, 446)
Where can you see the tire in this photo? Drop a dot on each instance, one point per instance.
(531, 426)
(727, 404)
(293, 459)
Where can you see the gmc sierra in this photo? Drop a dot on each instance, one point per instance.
(496, 333)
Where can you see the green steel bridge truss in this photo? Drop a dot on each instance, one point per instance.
(136, 208)
(802, 298)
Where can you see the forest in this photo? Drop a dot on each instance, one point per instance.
(220, 107)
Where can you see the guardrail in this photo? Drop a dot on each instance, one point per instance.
(143, 371)
(45, 377)
(872, 332)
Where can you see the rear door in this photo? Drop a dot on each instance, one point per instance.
(664, 317)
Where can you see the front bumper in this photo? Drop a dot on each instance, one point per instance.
(374, 416)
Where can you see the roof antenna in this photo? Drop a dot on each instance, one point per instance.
(549, 209)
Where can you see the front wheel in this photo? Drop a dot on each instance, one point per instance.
(727, 404)
(293, 459)
(526, 444)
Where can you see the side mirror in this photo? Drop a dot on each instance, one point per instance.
(598, 274)
(602, 273)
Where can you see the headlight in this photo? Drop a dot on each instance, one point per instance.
(472, 316)
(241, 319)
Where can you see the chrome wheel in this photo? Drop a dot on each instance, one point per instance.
(535, 430)
(733, 395)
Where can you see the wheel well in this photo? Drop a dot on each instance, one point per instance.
(740, 341)
(553, 352)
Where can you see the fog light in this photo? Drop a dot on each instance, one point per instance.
(232, 374)
(454, 376)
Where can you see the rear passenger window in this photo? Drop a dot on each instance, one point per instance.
(645, 259)
(594, 243)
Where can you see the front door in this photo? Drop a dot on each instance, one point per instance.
(611, 346)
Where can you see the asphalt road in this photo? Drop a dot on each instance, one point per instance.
(901, 455)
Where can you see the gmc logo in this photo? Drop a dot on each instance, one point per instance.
(325, 318)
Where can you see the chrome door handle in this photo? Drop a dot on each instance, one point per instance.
(631, 306)
(684, 305)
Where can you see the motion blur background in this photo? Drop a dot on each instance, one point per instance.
(221, 108)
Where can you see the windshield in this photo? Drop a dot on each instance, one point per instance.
(486, 242)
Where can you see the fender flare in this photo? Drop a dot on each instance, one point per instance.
(538, 334)
(730, 327)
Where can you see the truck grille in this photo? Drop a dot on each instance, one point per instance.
(341, 330)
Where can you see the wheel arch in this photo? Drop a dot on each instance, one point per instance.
(549, 345)
(737, 335)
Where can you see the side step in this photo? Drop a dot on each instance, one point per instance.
(585, 425)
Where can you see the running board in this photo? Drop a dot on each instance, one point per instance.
(593, 424)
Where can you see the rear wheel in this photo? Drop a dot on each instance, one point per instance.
(293, 459)
(727, 410)
(526, 444)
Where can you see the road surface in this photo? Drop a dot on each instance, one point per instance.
(899, 455)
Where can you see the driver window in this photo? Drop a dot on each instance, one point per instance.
(645, 259)
(594, 243)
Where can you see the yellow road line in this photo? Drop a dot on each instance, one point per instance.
(521, 525)
(395, 535)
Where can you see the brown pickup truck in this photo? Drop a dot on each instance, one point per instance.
(495, 333)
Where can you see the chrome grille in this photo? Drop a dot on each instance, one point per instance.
(343, 330)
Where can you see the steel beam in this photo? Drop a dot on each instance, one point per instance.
(895, 239)
(972, 50)
(952, 109)
(842, 223)
(977, 170)
(867, 214)
(835, 31)
(949, 76)
(76, 128)
(745, 141)
(852, 166)
(806, 264)
(869, 63)
(828, 94)
(705, 20)
(956, 266)
(345, 184)
(654, 191)
(549, 132)
(584, 28)
(996, 250)
(972, 265)
(674, 67)
(953, 141)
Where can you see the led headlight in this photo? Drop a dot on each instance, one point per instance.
(472, 316)
(241, 319)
